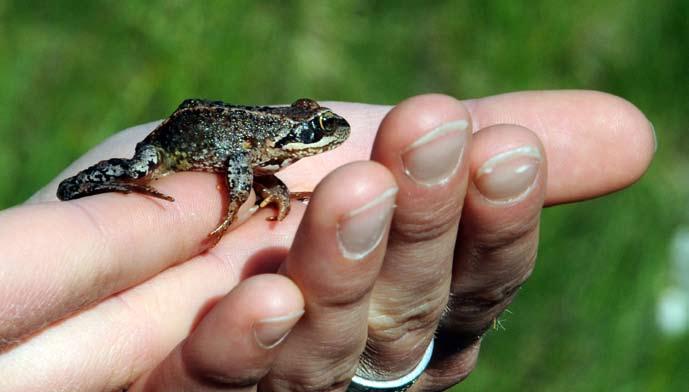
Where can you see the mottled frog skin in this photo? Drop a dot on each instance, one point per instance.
(247, 144)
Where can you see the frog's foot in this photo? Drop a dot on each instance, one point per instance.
(270, 190)
(282, 204)
(232, 209)
(220, 230)
(215, 235)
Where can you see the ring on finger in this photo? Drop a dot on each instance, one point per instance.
(361, 384)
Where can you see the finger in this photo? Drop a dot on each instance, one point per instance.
(597, 143)
(144, 323)
(235, 344)
(496, 246)
(84, 250)
(335, 259)
(422, 141)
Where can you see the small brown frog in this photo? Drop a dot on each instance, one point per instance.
(246, 143)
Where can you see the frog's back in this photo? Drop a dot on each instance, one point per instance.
(197, 138)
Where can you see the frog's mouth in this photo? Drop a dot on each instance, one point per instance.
(326, 143)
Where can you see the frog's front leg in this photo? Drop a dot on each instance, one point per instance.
(239, 178)
(270, 190)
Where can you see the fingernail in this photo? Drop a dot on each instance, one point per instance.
(655, 137)
(509, 175)
(270, 331)
(360, 231)
(434, 157)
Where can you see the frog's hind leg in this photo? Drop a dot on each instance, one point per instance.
(122, 187)
(239, 178)
(115, 175)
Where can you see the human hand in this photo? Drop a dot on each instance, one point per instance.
(123, 241)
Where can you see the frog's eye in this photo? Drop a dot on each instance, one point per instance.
(329, 123)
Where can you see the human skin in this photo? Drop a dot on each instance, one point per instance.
(141, 302)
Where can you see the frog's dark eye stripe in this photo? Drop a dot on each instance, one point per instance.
(309, 135)
(305, 135)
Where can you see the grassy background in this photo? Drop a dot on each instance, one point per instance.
(73, 72)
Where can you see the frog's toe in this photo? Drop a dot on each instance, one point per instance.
(214, 237)
(282, 212)
(277, 217)
(301, 196)
(280, 202)
(220, 230)
(266, 202)
(160, 195)
(147, 190)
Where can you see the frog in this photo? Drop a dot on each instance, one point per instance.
(245, 144)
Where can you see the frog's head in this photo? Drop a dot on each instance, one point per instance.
(315, 129)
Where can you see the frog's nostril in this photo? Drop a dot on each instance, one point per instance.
(343, 126)
(62, 191)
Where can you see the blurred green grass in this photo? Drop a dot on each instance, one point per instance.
(73, 72)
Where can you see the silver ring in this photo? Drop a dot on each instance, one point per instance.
(360, 384)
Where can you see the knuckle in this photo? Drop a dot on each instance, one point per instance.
(392, 326)
(426, 224)
(224, 382)
(497, 271)
(451, 370)
(394, 342)
(207, 373)
(474, 311)
(315, 381)
(481, 306)
(504, 240)
(220, 380)
(344, 295)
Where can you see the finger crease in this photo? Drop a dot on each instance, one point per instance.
(91, 218)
